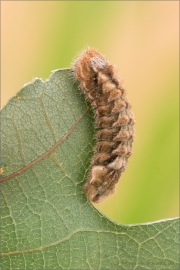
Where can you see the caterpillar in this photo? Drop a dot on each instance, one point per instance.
(113, 120)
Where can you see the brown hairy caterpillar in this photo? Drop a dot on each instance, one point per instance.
(114, 120)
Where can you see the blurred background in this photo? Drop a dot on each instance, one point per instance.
(142, 39)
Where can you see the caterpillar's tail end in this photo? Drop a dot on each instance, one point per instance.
(101, 183)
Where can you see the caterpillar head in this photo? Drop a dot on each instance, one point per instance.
(87, 66)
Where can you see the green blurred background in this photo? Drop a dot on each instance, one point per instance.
(141, 38)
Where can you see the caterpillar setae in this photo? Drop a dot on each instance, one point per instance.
(113, 118)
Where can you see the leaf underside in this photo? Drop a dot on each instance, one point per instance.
(47, 222)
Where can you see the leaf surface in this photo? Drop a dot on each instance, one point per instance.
(47, 222)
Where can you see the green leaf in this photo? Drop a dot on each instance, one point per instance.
(47, 222)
